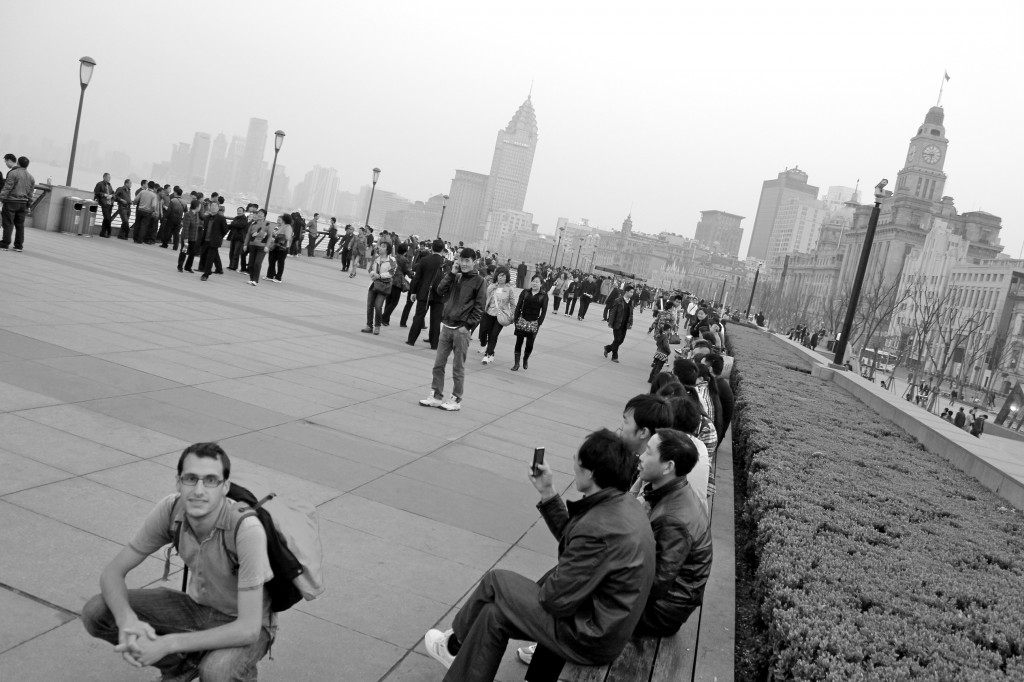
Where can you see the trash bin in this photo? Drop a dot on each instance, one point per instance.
(78, 216)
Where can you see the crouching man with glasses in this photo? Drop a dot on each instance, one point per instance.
(221, 627)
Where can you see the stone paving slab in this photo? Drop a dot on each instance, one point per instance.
(104, 379)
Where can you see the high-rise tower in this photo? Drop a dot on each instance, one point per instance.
(791, 186)
(252, 161)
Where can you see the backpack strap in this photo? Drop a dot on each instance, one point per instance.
(239, 511)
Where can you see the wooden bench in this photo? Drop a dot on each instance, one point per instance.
(703, 649)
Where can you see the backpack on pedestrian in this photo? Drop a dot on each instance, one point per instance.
(293, 544)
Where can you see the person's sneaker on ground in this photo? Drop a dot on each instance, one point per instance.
(453, 404)
(526, 653)
(436, 644)
(432, 401)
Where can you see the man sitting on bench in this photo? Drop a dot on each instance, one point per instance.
(683, 536)
(585, 609)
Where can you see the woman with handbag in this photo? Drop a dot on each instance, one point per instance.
(257, 244)
(571, 294)
(401, 282)
(498, 313)
(280, 242)
(382, 273)
(529, 316)
(561, 285)
(665, 328)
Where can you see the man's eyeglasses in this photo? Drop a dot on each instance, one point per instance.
(189, 480)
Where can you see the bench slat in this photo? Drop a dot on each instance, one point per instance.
(674, 662)
(635, 661)
(590, 673)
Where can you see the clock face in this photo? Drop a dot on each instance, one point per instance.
(931, 154)
(910, 154)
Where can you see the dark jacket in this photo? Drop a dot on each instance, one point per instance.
(465, 297)
(588, 288)
(123, 197)
(531, 307)
(728, 402)
(424, 275)
(216, 230)
(682, 533)
(613, 296)
(620, 316)
(605, 569)
(100, 191)
(960, 419)
(239, 226)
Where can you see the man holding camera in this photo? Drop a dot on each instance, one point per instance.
(587, 606)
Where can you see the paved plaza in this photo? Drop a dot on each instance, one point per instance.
(112, 362)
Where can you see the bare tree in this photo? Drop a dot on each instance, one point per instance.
(953, 330)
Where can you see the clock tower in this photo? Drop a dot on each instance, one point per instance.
(922, 177)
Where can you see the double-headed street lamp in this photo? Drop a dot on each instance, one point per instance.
(278, 141)
(85, 67)
(441, 222)
(376, 175)
(862, 267)
(561, 231)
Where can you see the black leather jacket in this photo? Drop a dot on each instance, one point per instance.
(683, 536)
(598, 589)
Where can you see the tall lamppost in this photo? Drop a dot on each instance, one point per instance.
(85, 67)
(862, 266)
(561, 231)
(752, 290)
(440, 222)
(278, 141)
(376, 174)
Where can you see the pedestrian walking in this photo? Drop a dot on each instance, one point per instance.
(571, 294)
(464, 294)
(16, 195)
(103, 194)
(280, 243)
(382, 274)
(214, 238)
(189, 237)
(403, 273)
(123, 198)
(499, 312)
(257, 244)
(236, 238)
(359, 246)
(332, 238)
(427, 272)
(531, 310)
(314, 230)
(620, 320)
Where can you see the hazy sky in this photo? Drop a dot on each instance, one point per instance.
(666, 107)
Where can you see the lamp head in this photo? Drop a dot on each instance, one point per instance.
(445, 202)
(85, 67)
(376, 174)
(880, 190)
(278, 140)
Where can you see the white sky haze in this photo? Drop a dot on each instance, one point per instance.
(666, 107)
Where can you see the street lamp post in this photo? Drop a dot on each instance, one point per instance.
(578, 252)
(85, 67)
(278, 141)
(440, 222)
(376, 174)
(862, 267)
(561, 231)
(752, 290)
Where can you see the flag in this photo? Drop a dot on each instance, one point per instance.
(947, 75)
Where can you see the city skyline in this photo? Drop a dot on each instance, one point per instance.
(615, 135)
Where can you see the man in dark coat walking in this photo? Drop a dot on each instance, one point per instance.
(212, 241)
(960, 419)
(426, 273)
(620, 319)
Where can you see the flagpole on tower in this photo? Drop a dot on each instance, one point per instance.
(945, 77)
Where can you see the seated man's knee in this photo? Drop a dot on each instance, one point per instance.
(96, 617)
(227, 665)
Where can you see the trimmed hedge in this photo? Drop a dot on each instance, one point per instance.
(876, 559)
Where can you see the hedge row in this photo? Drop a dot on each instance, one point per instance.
(876, 559)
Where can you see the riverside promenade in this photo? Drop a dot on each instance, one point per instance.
(111, 362)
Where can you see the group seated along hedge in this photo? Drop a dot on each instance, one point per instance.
(875, 558)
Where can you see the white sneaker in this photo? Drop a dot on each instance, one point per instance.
(432, 401)
(526, 653)
(452, 404)
(436, 644)
(488, 359)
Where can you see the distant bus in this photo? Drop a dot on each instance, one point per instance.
(879, 359)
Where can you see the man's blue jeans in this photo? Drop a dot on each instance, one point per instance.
(13, 218)
(456, 340)
(170, 611)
